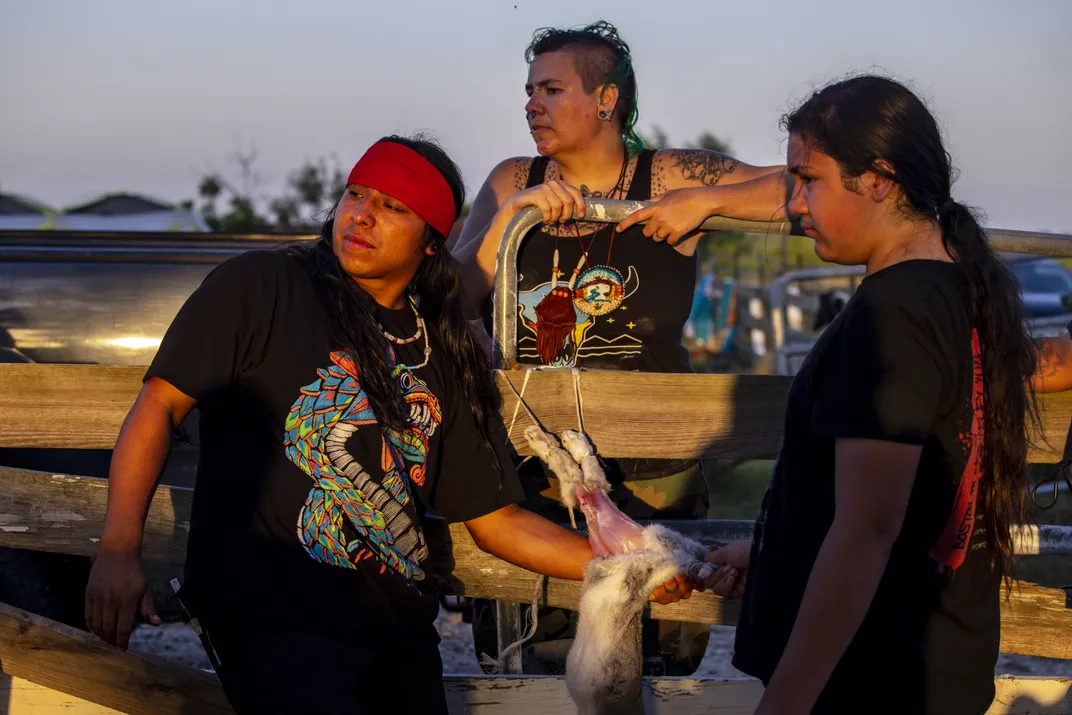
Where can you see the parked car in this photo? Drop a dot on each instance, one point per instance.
(1045, 284)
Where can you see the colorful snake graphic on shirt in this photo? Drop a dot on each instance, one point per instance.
(345, 499)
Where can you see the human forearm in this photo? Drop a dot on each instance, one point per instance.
(137, 461)
(1054, 370)
(532, 542)
(839, 592)
(761, 199)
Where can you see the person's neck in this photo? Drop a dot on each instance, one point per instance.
(907, 242)
(388, 293)
(598, 165)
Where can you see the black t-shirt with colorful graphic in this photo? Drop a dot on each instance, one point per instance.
(304, 510)
(619, 301)
(622, 301)
(901, 363)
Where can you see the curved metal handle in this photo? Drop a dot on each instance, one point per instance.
(504, 304)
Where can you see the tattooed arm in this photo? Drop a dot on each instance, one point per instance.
(691, 168)
(691, 185)
(1054, 371)
(727, 186)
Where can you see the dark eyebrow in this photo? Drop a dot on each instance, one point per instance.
(543, 83)
(796, 169)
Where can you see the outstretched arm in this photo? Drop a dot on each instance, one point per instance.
(691, 185)
(534, 543)
(1054, 371)
(531, 542)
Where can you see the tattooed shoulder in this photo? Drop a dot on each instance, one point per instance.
(522, 164)
(694, 167)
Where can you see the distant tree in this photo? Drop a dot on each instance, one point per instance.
(657, 139)
(310, 192)
(706, 140)
(231, 207)
(709, 141)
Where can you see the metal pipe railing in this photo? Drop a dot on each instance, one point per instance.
(504, 304)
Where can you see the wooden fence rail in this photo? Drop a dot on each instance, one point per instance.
(709, 416)
(52, 669)
(63, 513)
(718, 416)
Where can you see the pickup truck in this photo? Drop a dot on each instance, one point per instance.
(82, 297)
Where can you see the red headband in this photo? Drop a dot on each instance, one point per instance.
(399, 171)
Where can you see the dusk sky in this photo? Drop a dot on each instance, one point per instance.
(147, 96)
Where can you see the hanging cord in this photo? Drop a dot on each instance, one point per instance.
(578, 400)
(497, 665)
(1061, 474)
(520, 403)
(579, 404)
(524, 405)
(517, 406)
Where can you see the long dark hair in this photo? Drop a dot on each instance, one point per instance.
(861, 120)
(601, 58)
(439, 293)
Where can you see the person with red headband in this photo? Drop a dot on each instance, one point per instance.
(342, 400)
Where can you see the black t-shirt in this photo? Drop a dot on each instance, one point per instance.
(900, 363)
(629, 301)
(627, 310)
(304, 510)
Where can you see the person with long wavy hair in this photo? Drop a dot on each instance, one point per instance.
(342, 399)
(873, 579)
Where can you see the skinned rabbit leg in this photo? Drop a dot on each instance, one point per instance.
(570, 477)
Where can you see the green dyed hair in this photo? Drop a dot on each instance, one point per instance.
(601, 58)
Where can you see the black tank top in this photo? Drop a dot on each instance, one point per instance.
(628, 303)
(626, 309)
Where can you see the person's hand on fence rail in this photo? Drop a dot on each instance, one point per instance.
(674, 216)
(118, 590)
(729, 581)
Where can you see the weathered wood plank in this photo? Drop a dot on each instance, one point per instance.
(80, 664)
(537, 696)
(1036, 621)
(56, 512)
(639, 414)
(65, 406)
(509, 695)
(655, 415)
(21, 697)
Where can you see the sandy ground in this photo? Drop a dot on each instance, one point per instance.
(177, 643)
